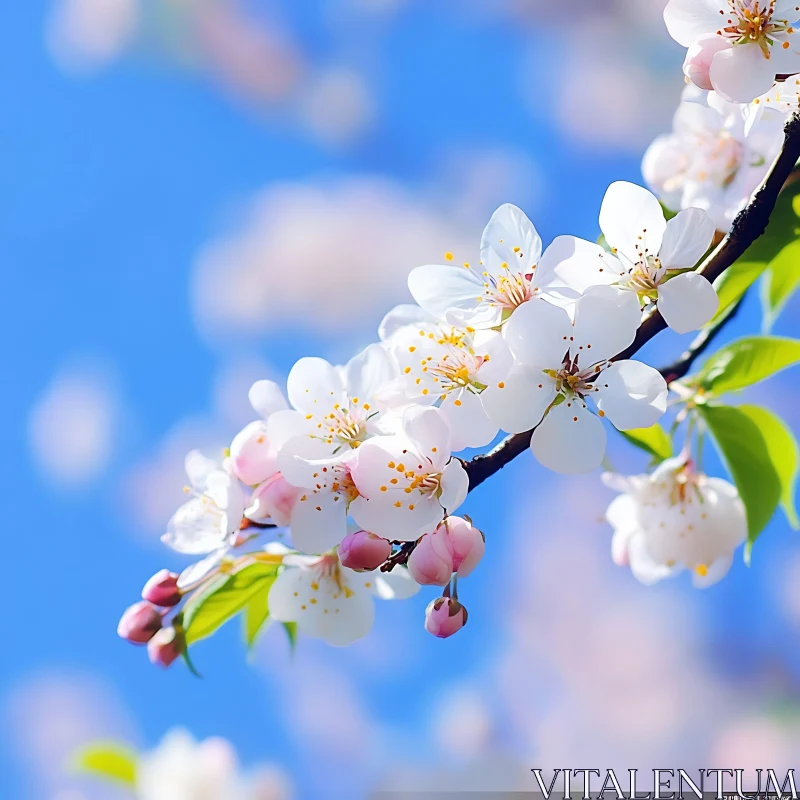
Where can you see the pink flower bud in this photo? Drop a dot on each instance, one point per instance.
(140, 623)
(444, 617)
(431, 562)
(467, 544)
(166, 646)
(162, 589)
(252, 458)
(697, 66)
(275, 499)
(363, 551)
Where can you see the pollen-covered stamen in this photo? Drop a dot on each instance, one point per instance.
(342, 483)
(329, 568)
(644, 269)
(509, 290)
(457, 369)
(752, 22)
(344, 425)
(572, 381)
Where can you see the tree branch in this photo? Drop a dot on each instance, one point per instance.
(748, 226)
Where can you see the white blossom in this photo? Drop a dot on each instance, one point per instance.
(713, 159)
(446, 365)
(758, 38)
(485, 295)
(407, 482)
(335, 410)
(646, 249)
(560, 364)
(675, 518)
(207, 521)
(329, 601)
(182, 769)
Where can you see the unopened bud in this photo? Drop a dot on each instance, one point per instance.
(274, 499)
(162, 589)
(431, 562)
(444, 617)
(363, 551)
(140, 623)
(252, 458)
(467, 544)
(167, 645)
(697, 66)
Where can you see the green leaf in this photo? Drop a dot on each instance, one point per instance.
(291, 632)
(108, 760)
(747, 456)
(746, 362)
(732, 285)
(224, 598)
(784, 227)
(653, 440)
(780, 282)
(782, 448)
(256, 613)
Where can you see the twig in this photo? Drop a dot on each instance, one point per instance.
(400, 557)
(748, 226)
(701, 343)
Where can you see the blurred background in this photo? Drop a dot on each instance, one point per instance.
(195, 193)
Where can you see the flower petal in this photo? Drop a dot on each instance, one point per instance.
(496, 354)
(319, 522)
(632, 220)
(401, 317)
(741, 73)
(570, 440)
(285, 425)
(520, 403)
(510, 238)
(687, 302)
(455, 486)
(428, 429)
(576, 264)
(314, 385)
(644, 567)
(252, 458)
(395, 515)
(686, 239)
(631, 394)
(688, 20)
(266, 398)
(444, 291)
(196, 528)
(716, 572)
(198, 468)
(367, 372)
(538, 334)
(606, 321)
(469, 425)
(395, 585)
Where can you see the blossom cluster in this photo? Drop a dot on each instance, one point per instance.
(356, 465)
(741, 64)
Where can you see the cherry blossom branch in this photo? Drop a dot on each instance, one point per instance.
(748, 226)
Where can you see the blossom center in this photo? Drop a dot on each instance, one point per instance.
(457, 369)
(645, 275)
(722, 159)
(508, 290)
(751, 22)
(572, 381)
(345, 426)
